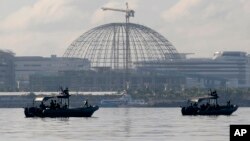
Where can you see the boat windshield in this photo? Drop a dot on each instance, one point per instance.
(200, 99)
(40, 99)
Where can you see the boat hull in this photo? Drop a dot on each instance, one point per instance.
(223, 110)
(71, 112)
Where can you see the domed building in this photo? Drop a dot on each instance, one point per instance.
(112, 46)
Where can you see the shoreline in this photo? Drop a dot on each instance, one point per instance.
(20, 101)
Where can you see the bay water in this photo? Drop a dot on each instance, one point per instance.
(120, 124)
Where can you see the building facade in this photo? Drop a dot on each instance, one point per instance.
(26, 66)
(7, 71)
(104, 81)
(225, 69)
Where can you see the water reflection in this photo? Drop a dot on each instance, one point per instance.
(127, 122)
(63, 119)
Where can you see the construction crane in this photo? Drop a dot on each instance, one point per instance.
(129, 12)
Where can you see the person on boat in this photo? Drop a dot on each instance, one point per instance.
(217, 106)
(58, 106)
(214, 93)
(86, 104)
(195, 104)
(207, 106)
(52, 104)
(65, 106)
(62, 91)
(203, 107)
(42, 106)
(66, 91)
(228, 103)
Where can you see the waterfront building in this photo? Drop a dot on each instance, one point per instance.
(225, 69)
(7, 71)
(93, 80)
(26, 66)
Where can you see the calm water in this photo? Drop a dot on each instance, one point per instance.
(121, 124)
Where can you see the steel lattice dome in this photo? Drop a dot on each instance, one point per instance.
(105, 46)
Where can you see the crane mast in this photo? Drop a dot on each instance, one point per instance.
(128, 13)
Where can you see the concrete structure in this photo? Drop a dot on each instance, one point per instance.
(7, 71)
(36, 65)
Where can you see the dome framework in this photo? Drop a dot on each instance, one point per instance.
(105, 46)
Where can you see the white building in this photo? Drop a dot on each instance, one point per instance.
(25, 66)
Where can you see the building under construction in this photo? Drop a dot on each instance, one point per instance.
(106, 47)
(128, 55)
(114, 56)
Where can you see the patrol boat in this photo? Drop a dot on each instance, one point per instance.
(58, 107)
(208, 105)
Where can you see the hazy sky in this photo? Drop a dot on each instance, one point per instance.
(45, 27)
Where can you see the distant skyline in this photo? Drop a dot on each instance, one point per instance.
(45, 27)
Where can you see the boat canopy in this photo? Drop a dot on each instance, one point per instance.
(45, 98)
(200, 99)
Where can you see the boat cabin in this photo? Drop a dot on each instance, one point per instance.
(51, 102)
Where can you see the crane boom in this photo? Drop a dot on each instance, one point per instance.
(114, 9)
(129, 12)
